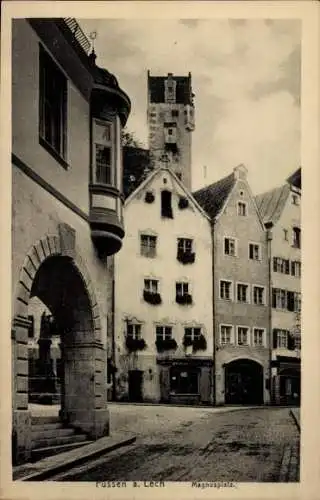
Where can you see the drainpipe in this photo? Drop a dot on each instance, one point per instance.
(268, 227)
(113, 349)
(213, 315)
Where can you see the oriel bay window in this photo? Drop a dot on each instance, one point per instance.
(103, 157)
(52, 107)
(184, 380)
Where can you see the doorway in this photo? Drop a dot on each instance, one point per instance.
(135, 385)
(244, 382)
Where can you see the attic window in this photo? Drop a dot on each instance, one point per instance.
(241, 193)
(166, 204)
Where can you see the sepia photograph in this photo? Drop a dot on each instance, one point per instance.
(156, 250)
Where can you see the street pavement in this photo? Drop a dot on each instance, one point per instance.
(198, 444)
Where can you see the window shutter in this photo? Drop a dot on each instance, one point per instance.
(275, 264)
(291, 343)
(274, 297)
(275, 338)
(292, 268)
(290, 301)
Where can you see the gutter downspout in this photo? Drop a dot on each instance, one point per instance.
(213, 314)
(269, 226)
(113, 349)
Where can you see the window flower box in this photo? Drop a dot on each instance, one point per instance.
(149, 197)
(198, 343)
(183, 203)
(133, 344)
(166, 344)
(185, 299)
(152, 297)
(185, 257)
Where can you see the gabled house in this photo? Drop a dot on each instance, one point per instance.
(280, 209)
(240, 291)
(163, 333)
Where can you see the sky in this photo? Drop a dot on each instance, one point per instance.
(246, 81)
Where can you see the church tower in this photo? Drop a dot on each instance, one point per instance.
(171, 121)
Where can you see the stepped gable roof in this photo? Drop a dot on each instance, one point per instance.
(271, 203)
(213, 197)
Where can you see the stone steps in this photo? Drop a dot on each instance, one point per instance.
(40, 453)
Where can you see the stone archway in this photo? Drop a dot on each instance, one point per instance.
(54, 271)
(244, 382)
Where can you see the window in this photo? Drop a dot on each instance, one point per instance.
(166, 204)
(242, 292)
(226, 334)
(281, 265)
(185, 245)
(179, 175)
(31, 326)
(53, 105)
(282, 339)
(242, 335)
(182, 288)
(151, 285)
(296, 237)
(258, 337)
(296, 269)
(184, 380)
(226, 290)
(134, 330)
(230, 246)
(175, 113)
(148, 245)
(170, 90)
(192, 333)
(254, 251)
(258, 295)
(103, 152)
(164, 332)
(295, 199)
(285, 234)
(242, 208)
(279, 298)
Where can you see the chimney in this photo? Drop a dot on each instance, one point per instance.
(240, 172)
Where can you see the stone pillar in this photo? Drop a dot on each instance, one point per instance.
(84, 395)
(219, 384)
(21, 416)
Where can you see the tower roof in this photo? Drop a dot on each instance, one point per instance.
(183, 90)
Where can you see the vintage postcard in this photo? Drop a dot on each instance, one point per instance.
(160, 166)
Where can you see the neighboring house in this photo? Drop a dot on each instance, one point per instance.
(171, 122)
(241, 291)
(67, 116)
(280, 210)
(163, 296)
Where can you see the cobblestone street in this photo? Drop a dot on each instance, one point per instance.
(194, 444)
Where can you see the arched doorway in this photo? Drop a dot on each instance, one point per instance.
(54, 272)
(244, 382)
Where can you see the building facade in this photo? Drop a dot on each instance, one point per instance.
(163, 296)
(171, 122)
(241, 291)
(67, 115)
(280, 209)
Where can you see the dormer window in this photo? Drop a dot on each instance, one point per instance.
(103, 153)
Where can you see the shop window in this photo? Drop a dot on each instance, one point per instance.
(53, 106)
(184, 380)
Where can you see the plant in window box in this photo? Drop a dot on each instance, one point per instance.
(187, 341)
(152, 297)
(185, 299)
(149, 197)
(183, 202)
(134, 344)
(200, 343)
(165, 344)
(185, 257)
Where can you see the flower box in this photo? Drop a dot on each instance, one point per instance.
(152, 298)
(185, 257)
(183, 203)
(133, 344)
(149, 197)
(198, 344)
(165, 344)
(185, 299)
